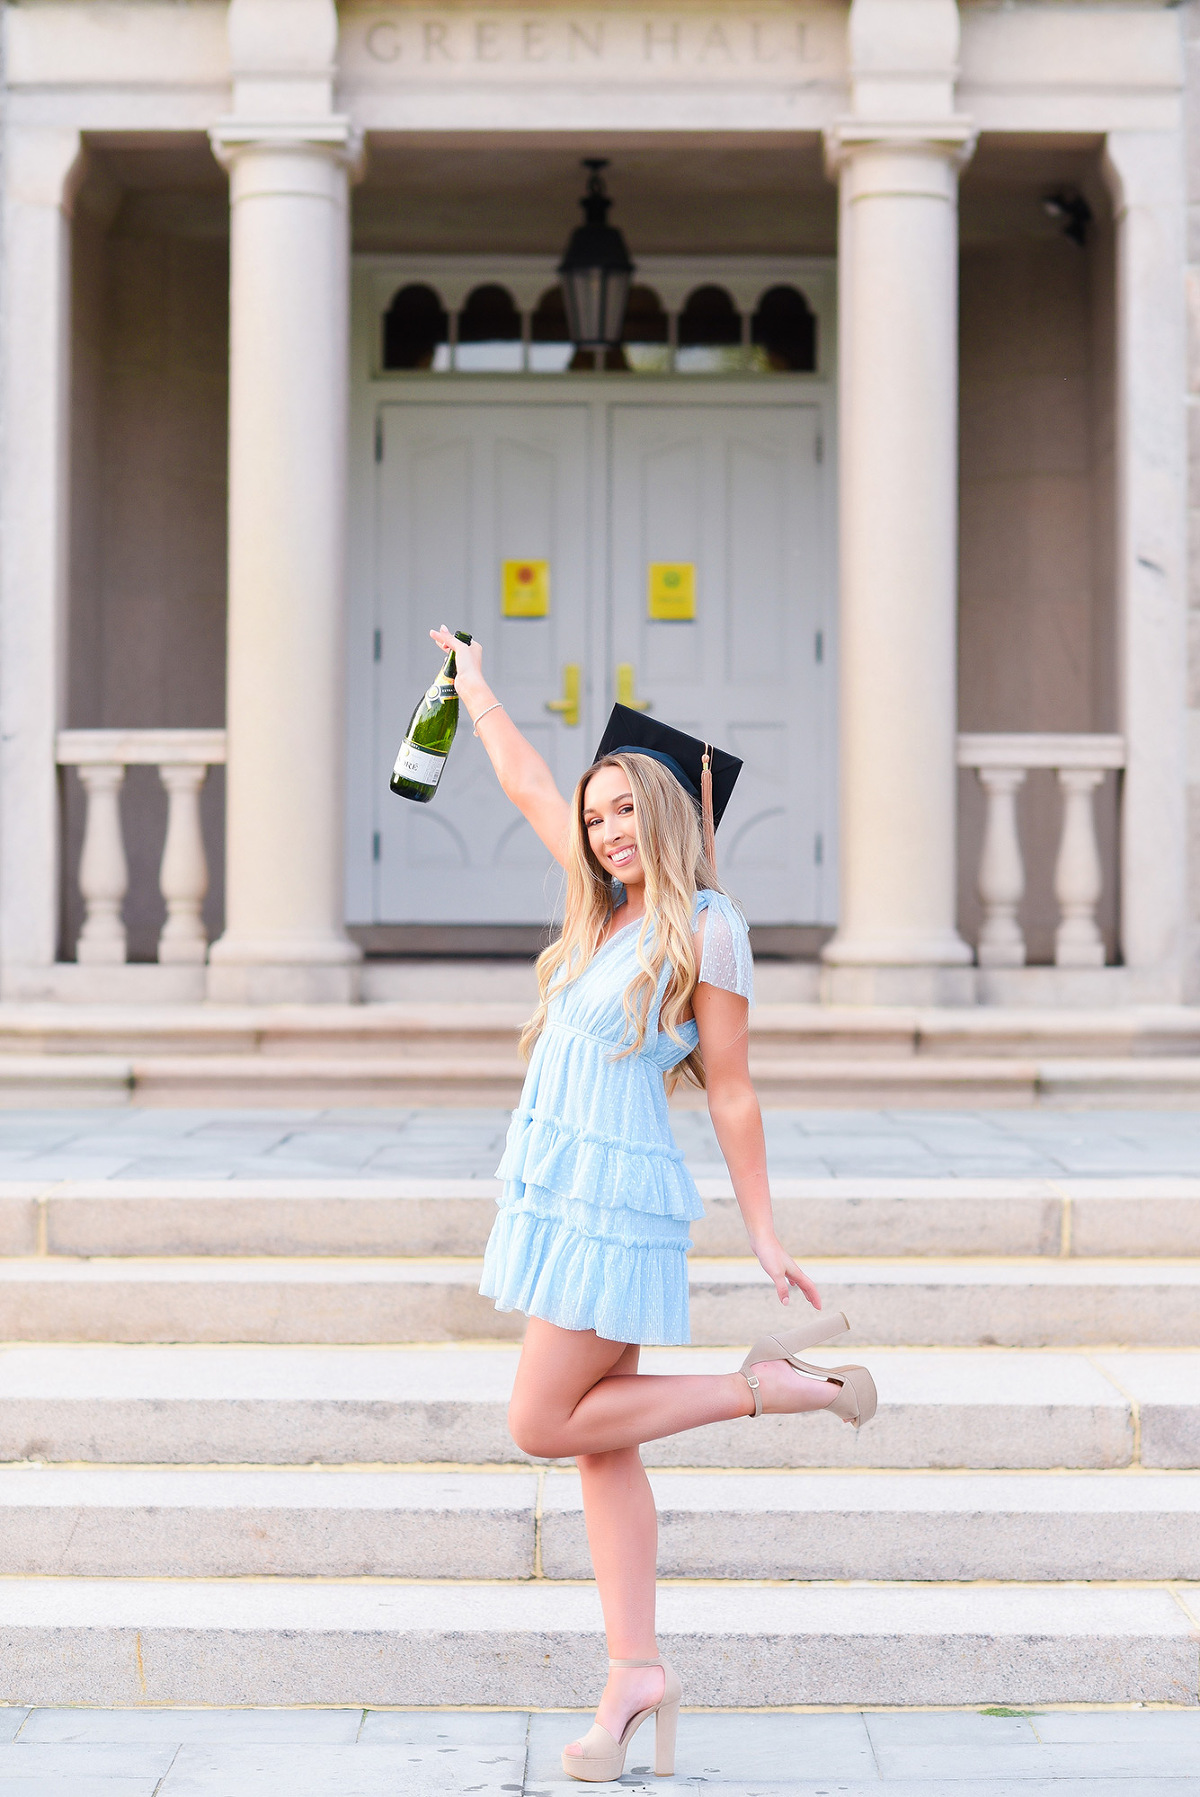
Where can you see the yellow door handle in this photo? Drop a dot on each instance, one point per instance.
(625, 686)
(568, 706)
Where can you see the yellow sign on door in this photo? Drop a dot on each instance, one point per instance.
(525, 589)
(672, 591)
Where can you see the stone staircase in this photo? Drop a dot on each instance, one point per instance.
(462, 1050)
(254, 1452)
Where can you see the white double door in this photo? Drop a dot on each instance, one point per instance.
(600, 490)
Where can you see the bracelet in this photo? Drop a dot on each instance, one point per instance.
(496, 707)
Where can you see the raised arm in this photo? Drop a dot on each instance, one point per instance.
(522, 773)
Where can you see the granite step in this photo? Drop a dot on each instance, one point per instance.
(981, 1408)
(464, 1002)
(138, 1522)
(1028, 1302)
(1084, 1218)
(540, 1645)
(454, 1078)
(885, 1525)
(462, 1050)
(134, 1522)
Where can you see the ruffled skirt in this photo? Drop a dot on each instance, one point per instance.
(592, 1230)
(583, 1266)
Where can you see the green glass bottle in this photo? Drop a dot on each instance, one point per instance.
(428, 737)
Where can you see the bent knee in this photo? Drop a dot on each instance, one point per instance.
(534, 1433)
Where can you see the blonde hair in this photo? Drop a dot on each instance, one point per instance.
(676, 868)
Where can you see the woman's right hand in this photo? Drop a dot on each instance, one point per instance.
(469, 682)
(521, 771)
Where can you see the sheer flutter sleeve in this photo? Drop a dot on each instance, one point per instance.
(725, 958)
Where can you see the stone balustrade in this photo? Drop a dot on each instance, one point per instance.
(1001, 764)
(183, 758)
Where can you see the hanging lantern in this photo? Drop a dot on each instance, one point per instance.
(596, 270)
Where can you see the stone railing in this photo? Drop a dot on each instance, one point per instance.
(183, 758)
(1001, 763)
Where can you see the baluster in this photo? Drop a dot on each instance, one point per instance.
(1078, 879)
(1001, 870)
(183, 872)
(103, 872)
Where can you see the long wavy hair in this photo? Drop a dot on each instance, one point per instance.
(676, 868)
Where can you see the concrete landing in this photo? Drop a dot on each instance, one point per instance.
(1132, 1752)
(353, 1144)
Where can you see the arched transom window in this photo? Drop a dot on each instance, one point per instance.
(706, 332)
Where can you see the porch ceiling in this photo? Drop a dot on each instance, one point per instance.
(518, 194)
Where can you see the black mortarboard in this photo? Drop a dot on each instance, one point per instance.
(632, 732)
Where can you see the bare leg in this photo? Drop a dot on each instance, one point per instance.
(571, 1396)
(622, 1529)
(578, 1395)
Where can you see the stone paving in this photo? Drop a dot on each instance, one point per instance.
(132, 1143)
(383, 1753)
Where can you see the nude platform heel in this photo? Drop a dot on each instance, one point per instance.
(856, 1400)
(603, 1757)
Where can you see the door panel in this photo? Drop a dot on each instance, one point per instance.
(460, 490)
(732, 489)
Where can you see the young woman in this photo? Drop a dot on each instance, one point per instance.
(649, 980)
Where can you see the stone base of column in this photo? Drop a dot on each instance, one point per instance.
(903, 969)
(859, 985)
(282, 972)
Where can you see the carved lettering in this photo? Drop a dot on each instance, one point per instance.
(487, 41)
(663, 37)
(716, 44)
(534, 47)
(383, 41)
(586, 41)
(723, 38)
(436, 47)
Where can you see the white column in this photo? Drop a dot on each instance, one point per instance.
(896, 155)
(42, 168)
(898, 347)
(284, 936)
(1146, 180)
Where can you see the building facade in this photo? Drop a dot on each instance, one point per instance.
(887, 489)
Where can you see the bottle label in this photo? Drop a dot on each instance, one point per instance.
(417, 764)
(439, 692)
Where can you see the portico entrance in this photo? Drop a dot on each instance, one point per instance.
(1005, 215)
(673, 526)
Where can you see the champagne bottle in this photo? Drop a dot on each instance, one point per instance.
(428, 737)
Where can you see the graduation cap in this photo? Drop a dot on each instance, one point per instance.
(707, 774)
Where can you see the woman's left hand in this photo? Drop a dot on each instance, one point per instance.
(779, 1267)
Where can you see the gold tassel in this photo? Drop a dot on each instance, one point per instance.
(706, 808)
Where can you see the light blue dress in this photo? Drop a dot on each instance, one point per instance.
(592, 1230)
